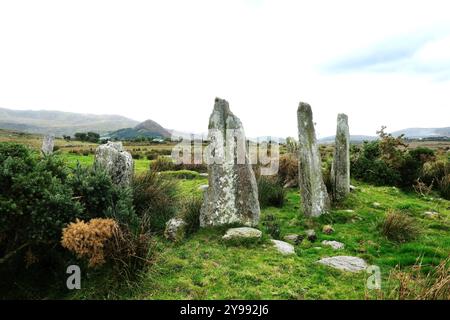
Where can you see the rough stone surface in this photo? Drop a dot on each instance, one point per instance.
(340, 168)
(311, 235)
(242, 233)
(175, 229)
(283, 247)
(431, 214)
(345, 263)
(293, 238)
(48, 144)
(313, 192)
(327, 229)
(336, 245)
(116, 161)
(232, 196)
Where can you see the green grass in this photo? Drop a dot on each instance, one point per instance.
(140, 165)
(203, 267)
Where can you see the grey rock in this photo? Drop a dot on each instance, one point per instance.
(293, 238)
(232, 196)
(203, 174)
(376, 205)
(203, 187)
(431, 214)
(175, 229)
(353, 188)
(313, 192)
(340, 168)
(336, 245)
(48, 144)
(283, 247)
(311, 235)
(117, 162)
(345, 263)
(242, 233)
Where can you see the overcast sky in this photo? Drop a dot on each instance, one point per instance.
(381, 62)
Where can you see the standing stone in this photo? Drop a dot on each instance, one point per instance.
(232, 195)
(340, 169)
(116, 161)
(48, 144)
(313, 192)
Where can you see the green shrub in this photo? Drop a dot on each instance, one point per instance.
(399, 227)
(444, 187)
(190, 213)
(162, 164)
(155, 197)
(270, 192)
(272, 226)
(181, 174)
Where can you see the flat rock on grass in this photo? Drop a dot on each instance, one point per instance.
(242, 233)
(336, 245)
(293, 238)
(345, 263)
(283, 247)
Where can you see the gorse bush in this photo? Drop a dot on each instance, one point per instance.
(288, 168)
(89, 240)
(399, 227)
(155, 197)
(270, 192)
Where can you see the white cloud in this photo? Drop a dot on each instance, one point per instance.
(168, 60)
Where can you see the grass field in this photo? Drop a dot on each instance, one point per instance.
(203, 267)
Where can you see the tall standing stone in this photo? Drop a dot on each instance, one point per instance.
(232, 195)
(48, 144)
(117, 162)
(314, 194)
(340, 169)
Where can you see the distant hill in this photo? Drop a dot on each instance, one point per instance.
(60, 123)
(146, 129)
(353, 139)
(418, 133)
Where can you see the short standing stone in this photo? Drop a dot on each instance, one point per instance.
(242, 233)
(232, 195)
(336, 245)
(313, 192)
(293, 238)
(345, 263)
(340, 169)
(283, 247)
(117, 162)
(311, 235)
(48, 144)
(175, 229)
(327, 229)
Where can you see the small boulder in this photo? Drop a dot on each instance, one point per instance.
(353, 188)
(431, 214)
(293, 238)
(242, 233)
(203, 187)
(327, 229)
(175, 229)
(283, 247)
(376, 205)
(311, 235)
(336, 245)
(345, 263)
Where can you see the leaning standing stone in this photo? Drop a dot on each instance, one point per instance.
(48, 144)
(314, 194)
(340, 169)
(232, 194)
(116, 161)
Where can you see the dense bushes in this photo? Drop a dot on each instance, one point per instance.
(154, 197)
(388, 162)
(39, 196)
(190, 213)
(270, 192)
